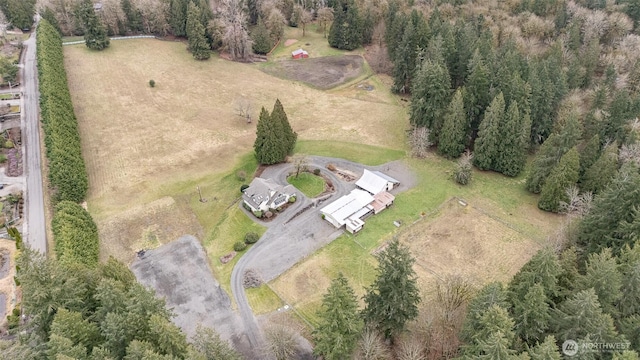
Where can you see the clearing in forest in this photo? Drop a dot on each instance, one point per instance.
(141, 143)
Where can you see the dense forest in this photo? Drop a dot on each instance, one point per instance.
(544, 89)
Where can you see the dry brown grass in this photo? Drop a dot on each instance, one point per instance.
(146, 226)
(135, 137)
(463, 240)
(139, 141)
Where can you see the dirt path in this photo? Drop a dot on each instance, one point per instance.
(288, 242)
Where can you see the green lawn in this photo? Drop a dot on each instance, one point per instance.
(6, 96)
(500, 196)
(313, 42)
(364, 154)
(310, 185)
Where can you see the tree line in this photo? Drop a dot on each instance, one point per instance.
(67, 172)
(19, 13)
(473, 90)
(98, 312)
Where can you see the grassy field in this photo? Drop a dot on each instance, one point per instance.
(164, 161)
(495, 234)
(309, 184)
(151, 152)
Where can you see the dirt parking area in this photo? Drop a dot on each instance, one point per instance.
(179, 272)
(463, 240)
(322, 73)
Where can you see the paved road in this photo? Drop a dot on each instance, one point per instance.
(287, 242)
(34, 227)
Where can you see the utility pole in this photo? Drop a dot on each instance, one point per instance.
(200, 193)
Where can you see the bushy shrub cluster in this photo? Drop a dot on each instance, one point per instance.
(76, 235)
(67, 171)
(251, 238)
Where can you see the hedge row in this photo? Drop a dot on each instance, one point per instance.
(67, 171)
(76, 235)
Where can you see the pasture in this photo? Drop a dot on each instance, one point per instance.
(489, 239)
(164, 161)
(142, 144)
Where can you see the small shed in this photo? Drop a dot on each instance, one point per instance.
(299, 54)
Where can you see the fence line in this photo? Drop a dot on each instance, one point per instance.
(114, 38)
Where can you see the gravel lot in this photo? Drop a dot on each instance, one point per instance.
(179, 272)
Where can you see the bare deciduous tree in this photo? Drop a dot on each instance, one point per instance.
(630, 152)
(236, 38)
(450, 303)
(275, 22)
(243, 106)
(578, 204)
(410, 348)
(325, 17)
(372, 346)
(281, 342)
(419, 141)
(300, 163)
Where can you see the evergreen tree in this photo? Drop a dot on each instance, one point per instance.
(599, 175)
(404, 62)
(544, 268)
(207, 345)
(346, 29)
(581, 317)
(261, 38)
(198, 44)
(178, 17)
(50, 16)
(274, 137)
(454, 130)
(589, 154)
(287, 136)
(340, 324)
(563, 175)
(71, 325)
(19, 12)
(569, 274)
(267, 146)
(602, 275)
(490, 295)
(430, 95)
(542, 95)
(95, 36)
(512, 149)
(547, 350)
(496, 346)
(629, 301)
(602, 226)
(489, 135)
(532, 315)
(393, 297)
(477, 96)
(133, 16)
(564, 137)
(495, 331)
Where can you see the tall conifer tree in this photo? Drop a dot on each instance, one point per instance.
(392, 300)
(563, 175)
(489, 136)
(340, 324)
(454, 130)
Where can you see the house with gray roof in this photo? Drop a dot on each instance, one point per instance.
(264, 194)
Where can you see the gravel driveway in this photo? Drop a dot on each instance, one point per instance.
(289, 241)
